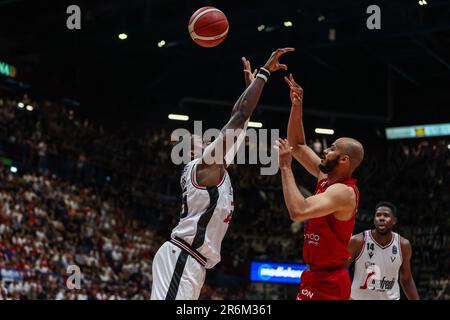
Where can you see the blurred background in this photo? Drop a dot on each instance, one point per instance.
(86, 176)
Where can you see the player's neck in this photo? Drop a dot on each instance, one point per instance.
(336, 176)
(382, 239)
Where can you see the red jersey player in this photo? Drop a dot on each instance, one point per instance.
(330, 213)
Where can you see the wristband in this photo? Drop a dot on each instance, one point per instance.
(264, 74)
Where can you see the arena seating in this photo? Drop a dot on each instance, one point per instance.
(106, 201)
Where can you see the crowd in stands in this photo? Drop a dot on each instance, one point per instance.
(105, 201)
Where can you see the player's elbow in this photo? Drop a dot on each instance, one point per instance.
(296, 142)
(406, 280)
(239, 118)
(296, 215)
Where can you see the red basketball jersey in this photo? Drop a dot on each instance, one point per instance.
(326, 238)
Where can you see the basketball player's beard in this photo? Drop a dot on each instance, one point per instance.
(329, 165)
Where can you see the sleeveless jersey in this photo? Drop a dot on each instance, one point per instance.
(326, 238)
(377, 269)
(205, 214)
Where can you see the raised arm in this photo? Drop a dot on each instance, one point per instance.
(338, 199)
(296, 133)
(406, 278)
(211, 168)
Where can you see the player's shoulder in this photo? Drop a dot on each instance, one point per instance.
(189, 165)
(356, 244)
(404, 242)
(405, 247)
(341, 190)
(359, 237)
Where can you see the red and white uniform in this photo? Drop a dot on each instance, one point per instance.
(325, 251)
(179, 266)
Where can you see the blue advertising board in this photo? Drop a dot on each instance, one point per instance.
(276, 272)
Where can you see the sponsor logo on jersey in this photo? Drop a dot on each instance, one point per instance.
(311, 238)
(392, 259)
(382, 284)
(369, 275)
(307, 293)
(394, 249)
(183, 182)
(228, 217)
(370, 254)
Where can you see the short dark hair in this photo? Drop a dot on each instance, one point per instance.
(390, 205)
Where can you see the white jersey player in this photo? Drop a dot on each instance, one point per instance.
(382, 258)
(179, 265)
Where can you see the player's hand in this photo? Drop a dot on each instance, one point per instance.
(296, 93)
(284, 153)
(273, 64)
(249, 76)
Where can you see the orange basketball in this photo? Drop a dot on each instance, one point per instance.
(208, 27)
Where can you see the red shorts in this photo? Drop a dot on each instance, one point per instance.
(324, 285)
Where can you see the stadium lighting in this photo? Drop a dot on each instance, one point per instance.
(20, 105)
(448, 147)
(180, 117)
(123, 36)
(252, 124)
(287, 24)
(13, 169)
(332, 34)
(423, 2)
(324, 131)
(320, 18)
(261, 28)
(161, 44)
(29, 108)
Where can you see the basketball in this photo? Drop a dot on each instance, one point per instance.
(208, 27)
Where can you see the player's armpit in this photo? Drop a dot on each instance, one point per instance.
(337, 198)
(209, 175)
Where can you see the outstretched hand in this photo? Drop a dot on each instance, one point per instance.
(249, 76)
(296, 93)
(273, 64)
(284, 153)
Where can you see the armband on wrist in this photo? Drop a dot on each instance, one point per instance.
(263, 73)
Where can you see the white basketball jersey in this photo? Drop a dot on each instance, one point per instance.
(377, 269)
(205, 214)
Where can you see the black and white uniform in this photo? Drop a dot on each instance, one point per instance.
(377, 270)
(179, 265)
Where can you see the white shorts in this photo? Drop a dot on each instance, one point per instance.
(176, 274)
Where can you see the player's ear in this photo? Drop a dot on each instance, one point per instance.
(394, 220)
(345, 158)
